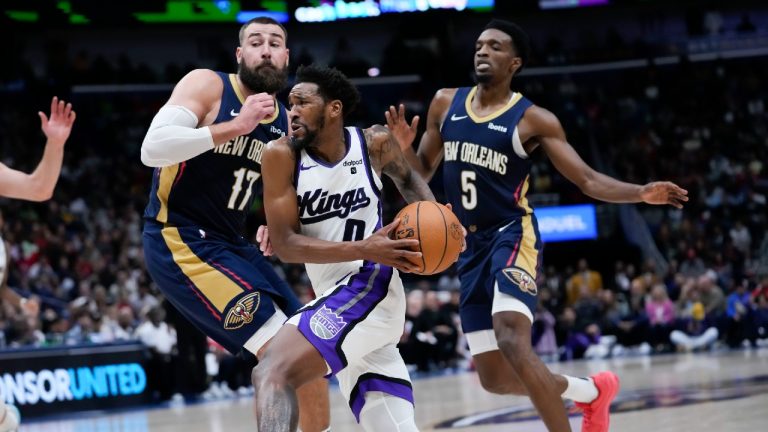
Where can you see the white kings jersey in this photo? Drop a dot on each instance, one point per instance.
(339, 202)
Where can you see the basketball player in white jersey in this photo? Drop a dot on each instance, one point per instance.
(37, 186)
(322, 194)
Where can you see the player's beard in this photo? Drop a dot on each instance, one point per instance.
(266, 77)
(481, 79)
(309, 137)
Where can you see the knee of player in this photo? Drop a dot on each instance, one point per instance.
(515, 345)
(269, 374)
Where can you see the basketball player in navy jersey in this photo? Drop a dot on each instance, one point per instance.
(485, 135)
(37, 186)
(322, 192)
(207, 145)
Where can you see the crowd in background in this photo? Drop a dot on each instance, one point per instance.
(703, 125)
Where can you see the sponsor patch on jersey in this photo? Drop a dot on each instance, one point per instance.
(277, 131)
(326, 324)
(242, 312)
(498, 128)
(522, 279)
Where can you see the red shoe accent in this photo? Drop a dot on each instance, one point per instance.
(597, 413)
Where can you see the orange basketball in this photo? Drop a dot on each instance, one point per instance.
(438, 231)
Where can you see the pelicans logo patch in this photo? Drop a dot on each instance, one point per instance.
(522, 279)
(242, 312)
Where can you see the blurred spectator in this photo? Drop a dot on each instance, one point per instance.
(585, 280)
(694, 333)
(740, 323)
(692, 265)
(434, 335)
(160, 338)
(711, 296)
(661, 317)
(408, 347)
(544, 340)
(760, 305)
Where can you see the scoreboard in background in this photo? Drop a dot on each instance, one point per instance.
(143, 11)
(81, 12)
(563, 4)
(334, 10)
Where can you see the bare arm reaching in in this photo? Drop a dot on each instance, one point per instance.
(386, 157)
(39, 185)
(542, 126)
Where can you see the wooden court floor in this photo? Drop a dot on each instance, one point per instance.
(692, 392)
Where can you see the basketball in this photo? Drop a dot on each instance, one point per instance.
(438, 231)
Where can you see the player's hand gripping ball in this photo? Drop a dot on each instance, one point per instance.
(438, 231)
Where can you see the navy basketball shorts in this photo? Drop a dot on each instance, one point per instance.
(356, 327)
(224, 286)
(498, 275)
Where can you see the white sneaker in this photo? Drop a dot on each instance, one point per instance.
(226, 391)
(618, 351)
(245, 391)
(609, 340)
(644, 348)
(177, 399)
(598, 351)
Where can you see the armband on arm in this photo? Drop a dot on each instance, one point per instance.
(174, 137)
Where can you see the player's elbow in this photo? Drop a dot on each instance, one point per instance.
(37, 190)
(286, 255)
(588, 184)
(41, 194)
(283, 252)
(148, 156)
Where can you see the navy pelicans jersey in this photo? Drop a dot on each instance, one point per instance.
(486, 172)
(215, 190)
(339, 202)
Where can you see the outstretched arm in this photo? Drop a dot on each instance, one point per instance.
(544, 127)
(278, 164)
(430, 152)
(386, 157)
(39, 185)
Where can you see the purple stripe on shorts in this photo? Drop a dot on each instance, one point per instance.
(397, 389)
(326, 325)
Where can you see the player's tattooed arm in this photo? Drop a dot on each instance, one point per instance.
(386, 157)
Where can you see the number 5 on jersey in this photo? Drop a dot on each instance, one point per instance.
(468, 190)
(241, 175)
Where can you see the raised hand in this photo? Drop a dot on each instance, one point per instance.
(399, 254)
(58, 127)
(256, 108)
(401, 130)
(664, 193)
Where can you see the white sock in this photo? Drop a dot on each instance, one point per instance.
(580, 389)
